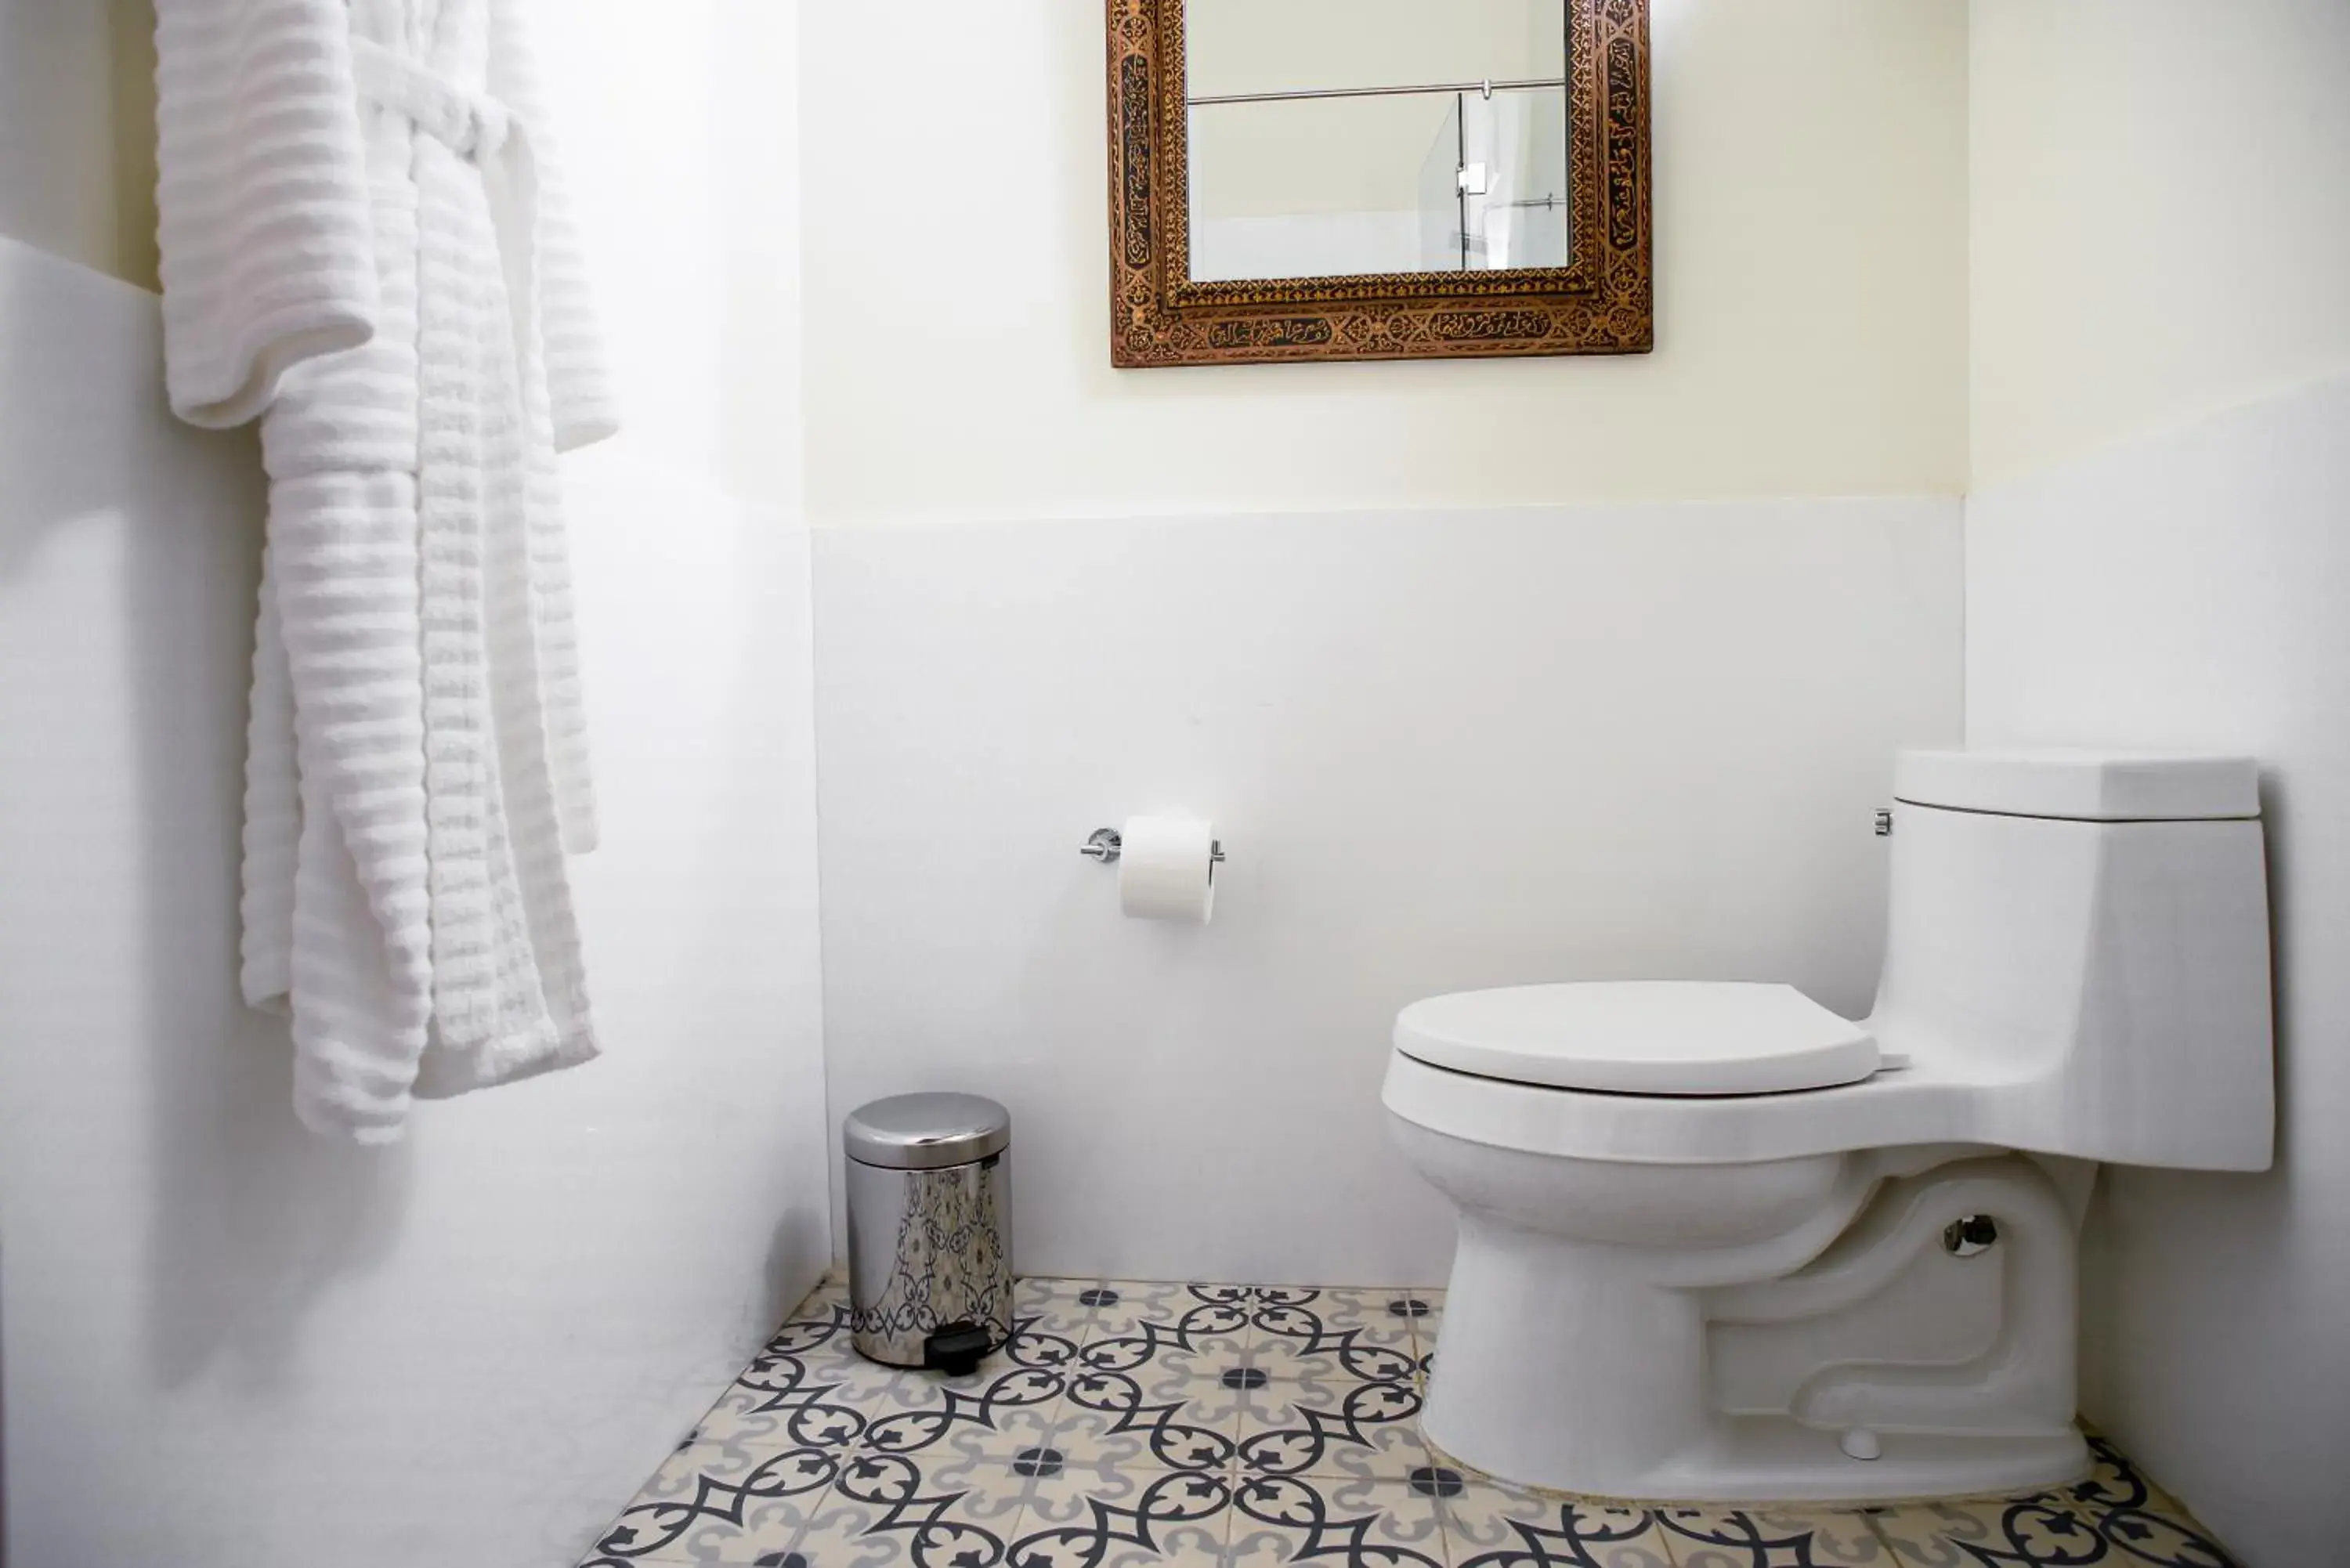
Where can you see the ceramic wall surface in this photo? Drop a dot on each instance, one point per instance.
(1444, 750)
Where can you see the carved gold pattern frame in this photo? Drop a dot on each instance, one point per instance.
(1600, 303)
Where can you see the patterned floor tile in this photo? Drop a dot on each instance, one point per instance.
(1773, 1537)
(722, 1502)
(1328, 1333)
(779, 1396)
(1175, 1426)
(1218, 1309)
(2138, 1538)
(816, 1333)
(1424, 1309)
(887, 1509)
(993, 1413)
(2050, 1530)
(1153, 1331)
(1065, 1307)
(1111, 1516)
(1332, 1427)
(758, 1417)
(1278, 1520)
(1037, 1355)
(1155, 1421)
(810, 1375)
(2114, 1483)
(1415, 1305)
(1489, 1525)
(1040, 1342)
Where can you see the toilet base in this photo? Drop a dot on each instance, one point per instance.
(1600, 1367)
(1762, 1460)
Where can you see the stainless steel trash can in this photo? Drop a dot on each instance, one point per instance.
(930, 1229)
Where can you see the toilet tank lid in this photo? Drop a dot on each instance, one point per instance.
(2081, 785)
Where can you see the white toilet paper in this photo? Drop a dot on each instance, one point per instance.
(1164, 872)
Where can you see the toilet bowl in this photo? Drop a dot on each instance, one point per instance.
(1718, 1242)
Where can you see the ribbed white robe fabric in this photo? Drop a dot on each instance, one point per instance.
(362, 244)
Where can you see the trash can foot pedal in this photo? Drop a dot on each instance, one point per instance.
(956, 1349)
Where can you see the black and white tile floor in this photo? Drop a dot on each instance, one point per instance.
(1134, 1426)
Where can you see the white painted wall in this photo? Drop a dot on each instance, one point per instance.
(1444, 749)
(1811, 231)
(2158, 553)
(227, 1342)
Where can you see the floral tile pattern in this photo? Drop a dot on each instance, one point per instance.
(1282, 1519)
(1331, 1335)
(1489, 1525)
(1192, 1426)
(1124, 1518)
(2117, 1517)
(1333, 1426)
(1773, 1537)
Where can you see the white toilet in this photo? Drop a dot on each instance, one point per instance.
(1718, 1242)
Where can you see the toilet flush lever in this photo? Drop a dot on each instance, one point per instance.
(1884, 825)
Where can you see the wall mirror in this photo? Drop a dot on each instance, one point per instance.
(1377, 178)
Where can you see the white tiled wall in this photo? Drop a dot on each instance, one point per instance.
(2185, 591)
(228, 1342)
(1444, 749)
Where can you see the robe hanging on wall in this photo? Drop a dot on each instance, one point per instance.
(363, 244)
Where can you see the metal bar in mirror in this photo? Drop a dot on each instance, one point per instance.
(1487, 89)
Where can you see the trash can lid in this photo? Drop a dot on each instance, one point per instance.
(923, 1132)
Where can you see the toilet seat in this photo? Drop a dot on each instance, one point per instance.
(1641, 1037)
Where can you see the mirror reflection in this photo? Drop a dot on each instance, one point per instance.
(1335, 136)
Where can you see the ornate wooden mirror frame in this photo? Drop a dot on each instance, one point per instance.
(1600, 303)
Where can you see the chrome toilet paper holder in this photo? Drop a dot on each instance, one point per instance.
(1103, 843)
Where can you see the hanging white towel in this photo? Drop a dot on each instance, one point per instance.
(417, 763)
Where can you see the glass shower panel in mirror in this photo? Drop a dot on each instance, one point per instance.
(1442, 218)
(1329, 137)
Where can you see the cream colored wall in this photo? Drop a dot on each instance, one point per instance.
(77, 131)
(1811, 211)
(2161, 198)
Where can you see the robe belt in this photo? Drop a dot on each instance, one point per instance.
(484, 133)
(471, 124)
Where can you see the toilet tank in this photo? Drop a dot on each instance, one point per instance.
(2085, 936)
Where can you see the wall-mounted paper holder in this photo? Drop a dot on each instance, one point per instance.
(1103, 845)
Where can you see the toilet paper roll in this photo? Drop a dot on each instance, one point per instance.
(1164, 872)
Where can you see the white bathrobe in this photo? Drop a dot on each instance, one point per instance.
(363, 244)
